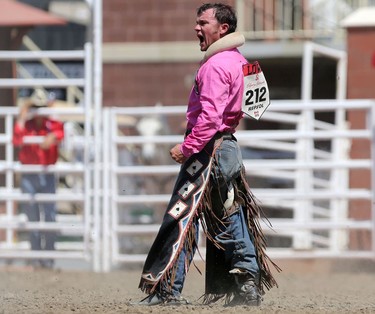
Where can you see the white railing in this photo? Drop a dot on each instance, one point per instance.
(136, 189)
(70, 222)
(74, 224)
(318, 229)
(125, 178)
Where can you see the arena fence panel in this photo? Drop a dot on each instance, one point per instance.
(138, 175)
(74, 222)
(118, 175)
(300, 174)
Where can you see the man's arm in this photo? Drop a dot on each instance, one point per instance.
(55, 136)
(213, 97)
(19, 127)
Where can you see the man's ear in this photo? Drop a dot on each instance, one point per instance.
(224, 29)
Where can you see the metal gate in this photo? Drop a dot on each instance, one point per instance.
(122, 174)
(75, 224)
(300, 173)
(303, 185)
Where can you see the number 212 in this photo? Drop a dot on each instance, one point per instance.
(259, 95)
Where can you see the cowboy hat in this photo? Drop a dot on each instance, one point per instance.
(39, 98)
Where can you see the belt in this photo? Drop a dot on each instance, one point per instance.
(223, 135)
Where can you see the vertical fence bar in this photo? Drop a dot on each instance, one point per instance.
(114, 221)
(106, 191)
(303, 208)
(97, 130)
(9, 176)
(340, 151)
(87, 147)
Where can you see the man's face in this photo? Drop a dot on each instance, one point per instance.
(209, 29)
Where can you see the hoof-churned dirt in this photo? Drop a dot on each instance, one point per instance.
(315, 287)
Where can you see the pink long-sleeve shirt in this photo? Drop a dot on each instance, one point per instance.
(215, 100)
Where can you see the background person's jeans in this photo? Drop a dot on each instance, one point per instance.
(40, 183)
(239, 248)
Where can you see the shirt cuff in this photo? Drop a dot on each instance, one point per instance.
(185, 151)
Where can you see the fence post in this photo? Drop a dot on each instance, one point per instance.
(9, 179)
(304, 154)
(106, 243)
(87, 148)
(98, 152)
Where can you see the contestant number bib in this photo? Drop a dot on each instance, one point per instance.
(256, 97)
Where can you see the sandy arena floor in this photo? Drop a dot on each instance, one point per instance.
(310, 287)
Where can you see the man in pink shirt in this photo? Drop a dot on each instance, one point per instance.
(215, 101)
(211, 185)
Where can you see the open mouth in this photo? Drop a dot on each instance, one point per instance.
(201, 38)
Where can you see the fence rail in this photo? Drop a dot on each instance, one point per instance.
(312, 219)
(74, 199)
(318, 211)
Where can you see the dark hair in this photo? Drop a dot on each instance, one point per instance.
(223, 13)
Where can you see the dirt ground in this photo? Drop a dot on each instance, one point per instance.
(308, 287)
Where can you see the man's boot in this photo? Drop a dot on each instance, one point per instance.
(247, 292)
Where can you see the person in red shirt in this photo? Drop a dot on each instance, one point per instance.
(30, 123)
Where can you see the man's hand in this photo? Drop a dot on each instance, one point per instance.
(177, 155)
(24, 113)
(49, 139)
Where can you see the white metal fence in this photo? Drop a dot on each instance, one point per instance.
(299, 173)
(308, 163)
(121, 175)
(75, 220)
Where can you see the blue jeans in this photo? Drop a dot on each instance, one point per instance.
(40, 183)
(238, 245)
(235, 238)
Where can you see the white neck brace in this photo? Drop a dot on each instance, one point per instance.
(230, 41)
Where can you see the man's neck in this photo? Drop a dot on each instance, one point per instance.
(230, 41)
